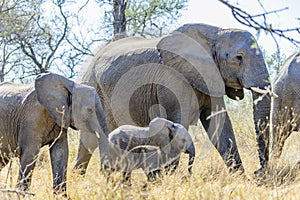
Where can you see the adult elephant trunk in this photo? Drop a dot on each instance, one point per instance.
(191, 151)
(261, 112)
(256, 78)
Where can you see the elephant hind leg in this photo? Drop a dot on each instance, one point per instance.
(220, 133)
(28, 159)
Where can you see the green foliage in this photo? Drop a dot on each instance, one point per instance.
(150, 18)
(274, 62)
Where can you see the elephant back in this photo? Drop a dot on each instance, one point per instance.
(12, 98)
(119, 57)
(294, 73)
(288, 77)
(13, 95)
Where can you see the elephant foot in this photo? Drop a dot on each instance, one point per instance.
(237, 169)
(60, 190)
(23, 185)
(261, 172)
(126, 180)
(152, 176)
(82, 160)
(60, 194)
(171, 168)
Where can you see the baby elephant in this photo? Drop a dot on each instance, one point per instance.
(150, 148)
(35, 115)
(285, 110)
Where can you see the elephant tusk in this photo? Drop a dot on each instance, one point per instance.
(149, 147)
(258, 90)
(264, 92)
(97, 134)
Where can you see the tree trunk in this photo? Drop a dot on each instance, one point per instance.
(119, 19)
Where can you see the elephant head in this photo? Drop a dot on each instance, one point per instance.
(221, 61)
(73, 105)
(176, 139)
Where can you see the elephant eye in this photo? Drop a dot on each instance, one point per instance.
(89, 110)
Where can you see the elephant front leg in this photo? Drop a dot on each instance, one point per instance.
(219, 129)
(87, 145)
(59, 159)
(28, 156)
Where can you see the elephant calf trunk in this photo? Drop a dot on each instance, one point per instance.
(191, 151)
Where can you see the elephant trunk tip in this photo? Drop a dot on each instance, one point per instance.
(191, 151)
(190, 165)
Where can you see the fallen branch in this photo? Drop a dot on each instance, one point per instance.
(19, 192)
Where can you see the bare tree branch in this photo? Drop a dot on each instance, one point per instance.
(254, 21)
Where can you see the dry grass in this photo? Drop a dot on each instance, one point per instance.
(210, 179)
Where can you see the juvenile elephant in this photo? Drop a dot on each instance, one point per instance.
(285, 110)
(182, 77)
(150, 148)
(33, 116)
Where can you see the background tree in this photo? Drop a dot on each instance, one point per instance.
(138, 17)
(41, 35)
(31, 38)
(14, 15)
(119, 17)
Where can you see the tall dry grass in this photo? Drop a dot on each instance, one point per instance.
(210, 179)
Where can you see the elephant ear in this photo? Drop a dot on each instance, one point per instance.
(54, 93)
(159, 133)
(190, 56)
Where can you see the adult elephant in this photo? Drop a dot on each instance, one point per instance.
(36, 115)
(182, 77)
(285, 110)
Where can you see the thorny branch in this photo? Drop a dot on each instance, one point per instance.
(252, 21)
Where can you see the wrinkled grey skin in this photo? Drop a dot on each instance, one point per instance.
(285, 110)
(150, 148)
(182, 77)
(31, 118)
